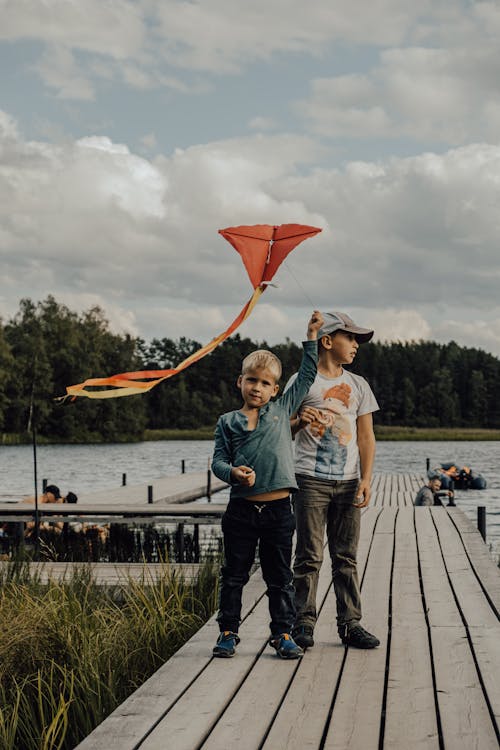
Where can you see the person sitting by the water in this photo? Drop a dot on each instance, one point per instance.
(431, 493)
(51, 494)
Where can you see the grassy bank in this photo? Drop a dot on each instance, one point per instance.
(71, 652)
(382, 432)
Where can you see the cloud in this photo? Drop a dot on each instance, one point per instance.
(447, 95)
(142, 42)
(262, 123)
(112, 28)
(406, 243)
(59, 70)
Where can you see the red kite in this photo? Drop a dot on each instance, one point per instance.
(262, 248)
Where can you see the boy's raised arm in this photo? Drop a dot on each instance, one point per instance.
(315, 322)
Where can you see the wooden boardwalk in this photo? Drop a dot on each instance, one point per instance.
(167, 496)
(178, 488)
(430, 592)
(111, 574)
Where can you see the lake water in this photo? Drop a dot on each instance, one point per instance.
(85, 468)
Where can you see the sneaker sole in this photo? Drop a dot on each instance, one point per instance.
(303, 644)
(363, 648)
(223, 654)
(289, 656)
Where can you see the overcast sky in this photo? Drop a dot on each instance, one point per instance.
(131, 131)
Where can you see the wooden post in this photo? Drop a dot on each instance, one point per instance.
(196, 542)
(180, 542)
(44, 485)
(209, 485)
(124, 480)
(150, 493)
(427, 463)
(183, 466)
(481, 520)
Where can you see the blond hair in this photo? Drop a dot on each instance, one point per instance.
(260, 359)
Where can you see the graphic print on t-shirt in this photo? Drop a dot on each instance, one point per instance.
(328, 449)
(333, 430)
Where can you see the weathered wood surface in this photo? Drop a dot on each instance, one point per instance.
(170, 490)
(189, 512)
(111, 574)
(431, 594)
(179, 488)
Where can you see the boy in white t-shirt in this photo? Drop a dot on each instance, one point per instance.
(334, 455)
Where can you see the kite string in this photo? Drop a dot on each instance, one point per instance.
(288, 268)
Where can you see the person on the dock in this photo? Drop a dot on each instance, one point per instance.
(253, 453)
(431, 493)
(334, 455)
(51, 494)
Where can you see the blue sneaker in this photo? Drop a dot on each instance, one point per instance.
(285, 646)
(226, 644)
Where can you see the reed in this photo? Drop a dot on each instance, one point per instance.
(71, 651)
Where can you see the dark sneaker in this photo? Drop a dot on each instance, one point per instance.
(357, 637)
(285, 646)
(303, 636)
(226, 644)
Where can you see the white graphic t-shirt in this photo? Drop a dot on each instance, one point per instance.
(328, 448)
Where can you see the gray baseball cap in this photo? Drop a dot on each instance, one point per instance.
(338, 321)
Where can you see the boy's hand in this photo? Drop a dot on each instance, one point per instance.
(314, 325)
(363, 494)
(307, 415)
(243, 475)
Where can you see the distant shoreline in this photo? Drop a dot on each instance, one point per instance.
(382, 432)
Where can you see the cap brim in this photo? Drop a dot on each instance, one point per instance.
(362, 334)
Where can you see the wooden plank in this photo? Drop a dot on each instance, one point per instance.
(127, 725)
(189, 512)
(464, 715)
(217, 684)
(386, 521)
(378, 489)
(303, 714)
(355, 720)
(387, 494)
(178, 488)
(465, 719)
(473, 604)
(410, 706)
(111, 574)
(479, 556)
(480, 618)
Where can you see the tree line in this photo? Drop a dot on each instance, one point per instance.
(46, 347)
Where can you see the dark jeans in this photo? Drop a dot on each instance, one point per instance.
(270, 525)
(321, 504)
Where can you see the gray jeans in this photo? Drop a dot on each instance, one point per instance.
(319, 504)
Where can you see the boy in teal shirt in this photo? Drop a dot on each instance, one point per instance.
(253, 453)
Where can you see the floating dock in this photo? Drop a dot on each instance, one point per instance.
(431, 593)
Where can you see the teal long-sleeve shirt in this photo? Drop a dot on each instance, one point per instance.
(268, 448)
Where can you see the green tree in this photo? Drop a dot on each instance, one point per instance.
(7, 374)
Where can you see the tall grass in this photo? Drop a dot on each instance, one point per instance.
(71, 651)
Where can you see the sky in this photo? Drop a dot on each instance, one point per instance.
(132, 130)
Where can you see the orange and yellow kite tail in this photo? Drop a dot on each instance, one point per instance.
(133, 383)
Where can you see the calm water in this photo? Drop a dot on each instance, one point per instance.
(84, 468)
